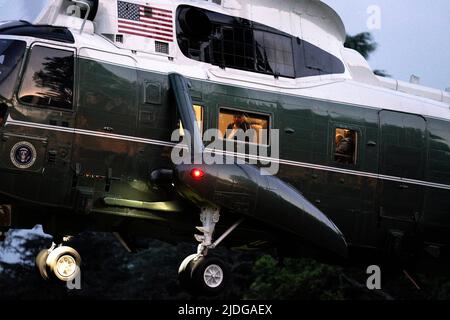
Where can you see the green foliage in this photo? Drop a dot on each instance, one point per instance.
(362, 42)
(109, 272)
(382, 73)
(301, 279)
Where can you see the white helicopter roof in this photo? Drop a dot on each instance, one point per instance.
(310, 20)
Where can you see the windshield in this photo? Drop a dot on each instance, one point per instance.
(11, 54)
(27, 10)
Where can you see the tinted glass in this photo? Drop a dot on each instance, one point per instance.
(48, 79)
(238, 43)
(274, 54)
(11, 54)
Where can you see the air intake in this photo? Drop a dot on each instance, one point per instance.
(162, 47)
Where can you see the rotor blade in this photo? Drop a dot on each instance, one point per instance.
(267, 199)
(183, 100)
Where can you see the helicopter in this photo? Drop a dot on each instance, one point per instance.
(250, 118)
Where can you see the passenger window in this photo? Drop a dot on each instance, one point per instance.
(198, 110)
(239, 125)
(345, 150)
(48, 79)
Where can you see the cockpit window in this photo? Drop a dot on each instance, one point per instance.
(48, 79)
(274, 54)
(11, 55)
(232, 42)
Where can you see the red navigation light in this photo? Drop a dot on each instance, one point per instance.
(197, 173)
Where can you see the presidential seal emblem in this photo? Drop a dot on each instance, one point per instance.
(23, 155)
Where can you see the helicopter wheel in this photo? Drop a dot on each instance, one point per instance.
(41, 263)
(62, 263)
(184, 272)
(206, 276)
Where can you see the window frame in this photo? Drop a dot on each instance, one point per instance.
(269, 125)
(356, 155)
(24, 70)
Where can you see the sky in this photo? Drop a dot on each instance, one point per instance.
(414, 36)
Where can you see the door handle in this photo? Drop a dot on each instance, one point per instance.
(289, 130)
(108, 129)
(403, 187)
(371, 143)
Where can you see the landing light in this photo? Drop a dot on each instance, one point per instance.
(197, 173)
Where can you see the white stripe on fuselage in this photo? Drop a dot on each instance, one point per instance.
(13, 122)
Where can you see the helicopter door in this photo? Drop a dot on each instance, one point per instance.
(37, 140)
(106, 120)
(402, 156)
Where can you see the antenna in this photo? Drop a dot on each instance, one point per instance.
(82, 2)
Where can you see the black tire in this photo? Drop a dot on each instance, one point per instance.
(199, 276)
(185, 273)
(41, 263)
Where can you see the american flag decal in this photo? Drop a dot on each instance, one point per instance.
(145, 21)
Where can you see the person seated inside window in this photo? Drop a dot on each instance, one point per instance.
(339, 137)
(254, 127)
(345, 147)
(239, 122)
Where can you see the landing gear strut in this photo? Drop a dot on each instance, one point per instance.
(59, 262)
(200, 273)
